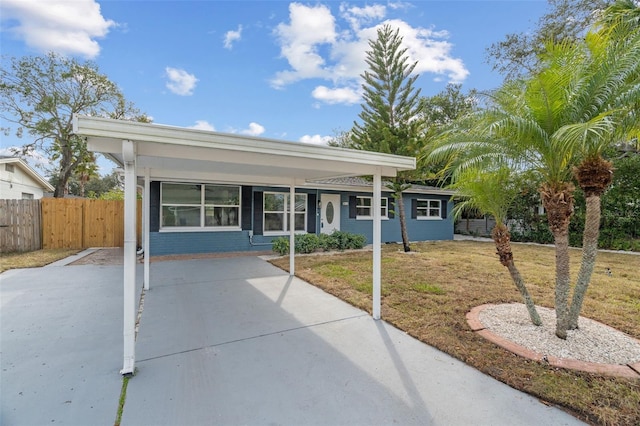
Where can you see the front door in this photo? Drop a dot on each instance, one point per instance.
(330, 217)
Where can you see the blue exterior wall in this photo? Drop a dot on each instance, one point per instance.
(167, 243)
(418, 230)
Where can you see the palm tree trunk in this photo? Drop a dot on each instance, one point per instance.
(501, 236)
(403, 222)
(589, 252)
(562, 283)
(594, 176)
(558, 201)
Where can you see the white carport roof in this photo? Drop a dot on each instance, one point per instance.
(181, 153)
(159, 152)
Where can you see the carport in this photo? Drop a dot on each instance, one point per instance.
(150, 151)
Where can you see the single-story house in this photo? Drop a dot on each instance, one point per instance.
(19, 181)
(208, 191)
(205, 217)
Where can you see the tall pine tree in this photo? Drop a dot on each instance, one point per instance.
(391, 110)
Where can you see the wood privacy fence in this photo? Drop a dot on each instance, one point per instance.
(73, 223)
(20, 225)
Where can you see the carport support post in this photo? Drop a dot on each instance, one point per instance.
(377, 239)
(292, 228)
(130, 189)
(145, 222)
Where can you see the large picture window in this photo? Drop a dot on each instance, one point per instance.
(364, 208)
(277, 206)
(188, 205)
(428, 209)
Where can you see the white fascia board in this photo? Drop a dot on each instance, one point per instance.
(128, 130)
(222, 178)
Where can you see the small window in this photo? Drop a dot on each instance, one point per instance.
(364, 205)
(10, 168)
(27, 196)
(276, 212)
(428, 209)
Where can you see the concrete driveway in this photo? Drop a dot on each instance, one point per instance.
(228, 341)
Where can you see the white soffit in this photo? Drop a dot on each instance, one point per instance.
(173, 151)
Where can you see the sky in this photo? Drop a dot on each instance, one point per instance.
(275, 69)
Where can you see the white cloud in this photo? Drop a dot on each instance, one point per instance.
(203, 125)
(342, 95)
(232, 36)
(310, 27)
(254, 130)
(316, 139)
(180, 82)
(356, 16)
(61, 26)
(316, 48)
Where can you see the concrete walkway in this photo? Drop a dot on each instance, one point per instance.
(228, 341)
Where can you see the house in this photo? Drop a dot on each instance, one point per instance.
(210, 191)
(205, 217)
(18, 180)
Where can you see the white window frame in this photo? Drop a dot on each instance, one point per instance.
(384, 207)
(428, 209)
(285, 212)
(202, 206)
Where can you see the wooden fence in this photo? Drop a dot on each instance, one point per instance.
(20, 225)
(51, 223)
(82, 223)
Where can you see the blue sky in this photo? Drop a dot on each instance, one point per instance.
(275, 69)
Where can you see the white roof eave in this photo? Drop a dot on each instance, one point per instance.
(111, 133)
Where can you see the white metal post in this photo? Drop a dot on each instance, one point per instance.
(292, 228)
(377, 239)
(130, 189)
(146, 214)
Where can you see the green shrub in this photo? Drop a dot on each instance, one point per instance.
(281, 246)
(308, 243)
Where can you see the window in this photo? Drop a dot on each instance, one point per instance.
(27, 196)
(428, 209)
(276, 212)
(363, 207)
(187, 205)
(10, 168)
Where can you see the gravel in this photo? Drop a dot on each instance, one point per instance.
(592, 342)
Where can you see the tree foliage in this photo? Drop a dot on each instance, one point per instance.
(518, 54)
(40, 95)
(391, 119)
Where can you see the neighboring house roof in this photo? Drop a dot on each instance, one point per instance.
(26, 168)
(357, 183)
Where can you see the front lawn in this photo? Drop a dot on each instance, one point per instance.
(33, 259)
(428, 292)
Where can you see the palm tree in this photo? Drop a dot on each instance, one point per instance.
(492, 192)
(615, 78)
(584, 95)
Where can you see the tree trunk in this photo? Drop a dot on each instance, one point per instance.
(558, 200)
(403, 222)
(563, 279)
(594, 175)
(589, 252)
(502, 238)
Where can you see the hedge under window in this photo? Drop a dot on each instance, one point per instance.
(200, 206)
(276, 212)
